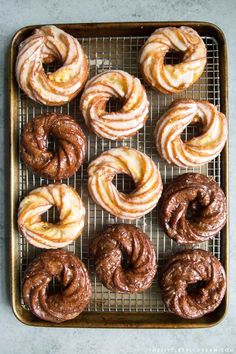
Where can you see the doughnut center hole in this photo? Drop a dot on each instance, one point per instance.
(51, 143)
(51, 65)
(54, 287)
(124, 183)
(52, 215)
(114, 105)
(193, 130)
(49, 68)
(194, 288)
(194, 210)
(125, 260)
(173, 58)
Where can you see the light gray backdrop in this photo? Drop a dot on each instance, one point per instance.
(17, 338)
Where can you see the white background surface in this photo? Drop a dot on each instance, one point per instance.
(18, 338)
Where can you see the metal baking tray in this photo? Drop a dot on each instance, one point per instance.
(116, 46)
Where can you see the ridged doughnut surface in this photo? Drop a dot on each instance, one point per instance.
(75, 288)
(46, 45)
(44, 234)
(139, 167)
(70, 146)
(116, 84)
(172, 78)
(119, 242)
(193, 283)
(197, 150)
(193, 208)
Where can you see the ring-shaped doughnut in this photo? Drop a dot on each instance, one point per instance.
(193, 283)
(197, 150)
(125, 259)
(139, 167)
(47, 45)
(172, 78)
(75, 287)
(44, 234)
(114, 84)
(193, 209)
(70, 144)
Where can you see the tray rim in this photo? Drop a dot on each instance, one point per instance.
(115, 319)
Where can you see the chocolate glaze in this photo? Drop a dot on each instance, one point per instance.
(203, 198)
(70, 150)
(190, 267)
(73, 277)
(112, 246)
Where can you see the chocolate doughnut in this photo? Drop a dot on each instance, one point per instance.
(120, 244)
(70, 147)
(201, 198)
(73, 277)
(193, 283)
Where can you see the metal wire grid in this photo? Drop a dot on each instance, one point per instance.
(121, 53)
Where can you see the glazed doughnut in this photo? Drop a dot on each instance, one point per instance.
(73, 277)
(139, 167)
(173, 78)
(47, 45)
(201, 198)
(197, 150)
(193, 283)
(119, 242)
(45, 234)
(70, 146)
(120, 85)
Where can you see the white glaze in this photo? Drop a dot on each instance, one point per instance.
(173, 78)
(114, 84)
(137, 165)
(198, 150)
(44, 234)
(46, 45)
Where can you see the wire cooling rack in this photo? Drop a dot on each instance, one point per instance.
(121, 53)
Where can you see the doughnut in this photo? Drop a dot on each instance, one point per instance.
(193, 209)
(143, 171)
(193, 283)
(75, 287)
(125, 259)
(70, 146)
(172, 78)
(116, 84)
(46, 45)
(44, 234)
(197, 150)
